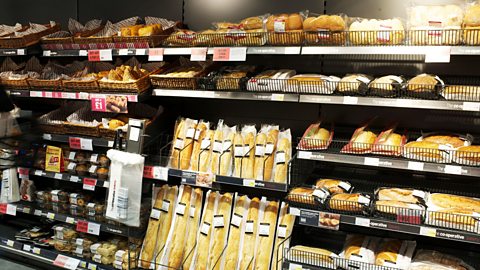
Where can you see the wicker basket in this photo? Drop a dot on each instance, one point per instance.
(38, 84)
(142, 42)
(95, 42)
(81, 86)
(177, 83)
(81, 130)
(28, 40)
(139, 86)
(46, 125)
(15, 84)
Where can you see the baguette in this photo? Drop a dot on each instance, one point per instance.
(260, 142)
(249, 160)
(201, 133)
(166, 222)
(349, 202)
(148, 249)
(220, 233)
(192, 229)
(226, 157)
(179, 136)
(284, 231)
(249, 239)
(203, 243)
(186, 153)
(239, 154)
(401, 194)
(447, 201)
(272, 139)
(217, 150)
(265, 246)
(233, 247)
(179, 230)
(206, 153)
(284, 147)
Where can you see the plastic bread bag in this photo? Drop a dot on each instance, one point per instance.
(193, 227)
(435, 260)
(247, 162)
(284, 232)
(453, 211)
(316, 137)
(226, 158)
(387, 86)
(286, 29)
(250, 23)
(325, 29)
(425, 86)
(312, 84)
(10, 192)
(237, 228)
(282, 157)
(334, 186)
(361, 142)
(250, 31)
(270, 148)
(436, 147)
(217, 148)
(389, 143)
(354, 84)
(266, 235)
(201, 133)
(181, 37)
(402, 253)
(471, 23)
(376, 32)
(204, 236)
(221, 228)
(270, 80)
(358, 250)
(435, 24)
(467, 155)
(251, 239)
(182, 144)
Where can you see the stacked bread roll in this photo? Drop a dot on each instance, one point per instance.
(375, 32)
(285, 29)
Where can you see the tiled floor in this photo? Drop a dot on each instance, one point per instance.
(10, 265)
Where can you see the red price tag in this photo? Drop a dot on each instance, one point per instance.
(23, 171)
(82, 226)
(66, 262)
(148, 172)
(57, 94)
(98, 104)
(89, 184)
(410, 219)
(155, 54)
(221, 54)
(94, 55)
(3, 208)
(75, 143)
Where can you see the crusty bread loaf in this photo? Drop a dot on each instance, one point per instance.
(399, 207)
(205, 155)
(179, 135)
(165, 222)
(148, 249)
(468, 153)
(238, 144)
(249, 160)
(203, 243)
(270, 149)
(286, 221)
(202, 130)
(353, 246)
(260, 143)
(193, 223)
(265, 246)
(388, 251)
(220, 233)
(399, 194)
(218, 140)
(448, 201)
(333, 186)
(423, 150)
(226, 158)
(252, 23)
(291, 22)
(284, 146)
(250, 239)
(301, 195)
(347, 202)
(233, 247)
(311, 255)
(453, 141)
(177, 242)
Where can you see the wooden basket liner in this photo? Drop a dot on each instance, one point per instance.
(28, 40)
(60, 114)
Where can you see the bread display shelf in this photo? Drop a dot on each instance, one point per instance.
(100, 142)
(67, 177)
(73, 95)
(226, 95)
(44, 255)
(19, 51)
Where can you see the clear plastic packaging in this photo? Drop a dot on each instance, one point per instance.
(325, 29)
(376, 32)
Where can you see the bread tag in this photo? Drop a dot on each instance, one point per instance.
(269, 148)
(192, 211)
(180, 209)
(71, 166)
(279, 26)
(363, 200)
(178, 144)
(419, 194)
(345, 186)
(280, 158)
(236, 220)
(155, 213)
(218, 221)
(205, 229)
(190, 133)
(238, 151)
(227, 146)
(282, 231)
(165, 206)
(264, 229)
(205, 144)
(249, 226)
(320, 194)
(79, 241)
(71, 155)
(259, 150)
(217, 146)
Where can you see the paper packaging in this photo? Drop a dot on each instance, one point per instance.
(250, 236)
(402, 249)
(282, 157)
(182, 144)
(249, 133)
(193, 227)
(237, 229)
(225, 158)
(316, 137)
(126, 174)
(282, 237)
(430, 259)
(217, 148)
(166, 216)
(260, 144)
(266, 235)
(358, 248)
(221, 226)
(197, 152)
(361, 142)
(389, 143)
(270, 80)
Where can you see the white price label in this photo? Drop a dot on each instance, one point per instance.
(249, 226)
(198, 54)
(93, 158)
(58, 176)
(47, 137)
(269, 148)
(236, 220)
(140, 52)
(71, 155)
(364, 222)
(192, 211)
(294, 266)
(294, 211)
(440, 54)
(249, 182)
(259, 150)
(218, 221)
(426, 231)
(350, 100)
(180, 210)
(86, 144)
(155, 214)
(160, 173)
(264, 229)
(93, 228)
(471, 106)
(415, 166)
(36, 250)
(26, 210)
(10, 243)
(71, 166)
(452, 169)
(106, 55)
(165, 205)
(278, 97)
(282, 231)
(82, 53)
(304, 155)
(92, 266)
(205, 228)
(37, 212)
(47, 53)
(371, 161)
(50, 215)
(155, 54)
(74, 178)
(70, 220)
(123, 52)
(11, 210)
(20, 51)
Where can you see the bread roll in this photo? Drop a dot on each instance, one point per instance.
(284, 231)
(260, 144)
(333, 186)
(249, 160)
(270, 148)
(238, 153)
(200, 134)
(220, 233)
(349, 202)
(233, 247)
(148, 249)
(295, 22)
(250, 238)
(178, 239)
(166, 222)
(265, 246)
(203, 242)
(284, 147)
(193, 223)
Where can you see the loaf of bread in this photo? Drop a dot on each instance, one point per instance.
(397, 252)
(260, 144)
(402, 195)
(399, 208)
(375, 32)
(227, 154)
(186, 153)
(238, 154)
(182, 144)
(249, 160)
(179, 235)
(434, 260)
(448, 201)
(206, 151)
(233, 246)
(425, 151)
(312, 256)
(354, 84)
(389, 143)
(270, 148)
(284, 231)
(252, 23)
(325, 29)
(386, 86)
(284, 22)
(282, 157)
(471, 25)
(165, 221)
(360, 248)
(301, 195)
(452, 141)
(148, 248)
(266, 235)
(467, 155)
(355, 202)
(360, 143)
(203, 241)
(200, 134)
(193, 223)
(312, 83)
(217, 148)
(220, 233)
(334, 186)
(178, 143)
(315, 138)
(250, 236)
(424, 85)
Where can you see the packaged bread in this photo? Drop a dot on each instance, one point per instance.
(285, 29)
(361, 142)
(467, 155)
(471, 24)
(425, 86)
(436, 147)
(226, 158)
(266, 233)
(453, 211)
(351, 203)
(236, 229)
(387, 86)
(334, 186)
(284, 232)
(247, 163)
(316, 138)
(435, 24)
(376, 32)
(308, 196)
(201, 132)
(193, 226)
(249, 32)
(260, 145)
(325, 29)
(312, 256)
(461, 92)
(270, 80)
(247, 256)
(358, 250)
(282, 157)
(354, 84)
(181, 37)
(232, 78)
(166, 216)
(222, 141)
(395, 253)
(389, 143)
(435, 260)
(270, 148)
(182, 144)
(238, 154)
(407, 195)
(206, 150)
(217, 147)
(221, 226)
(312, 84)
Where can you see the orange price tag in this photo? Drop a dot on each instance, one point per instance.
(94, 55)
(221, 54)
(148, 172)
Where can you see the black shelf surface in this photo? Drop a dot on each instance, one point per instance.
(67, 177)
(62, 138)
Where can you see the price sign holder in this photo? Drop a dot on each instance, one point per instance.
(155, 54)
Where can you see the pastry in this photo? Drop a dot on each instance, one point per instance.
(115, 123)
(252, 23)
(355, 202)
(334, 186)
(220, 232)
(265, 246)
(233, 246)
(284, 22)
(203, 241)
(193, 224)
(250, 235)
(102, 173)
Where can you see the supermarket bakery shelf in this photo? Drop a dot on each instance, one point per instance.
(226, 95)
(391, 163)
(19, 51)
(89, 183)
(71, 95)
(86, 143)
(311, 218)
(90, 227)
(47, 256)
